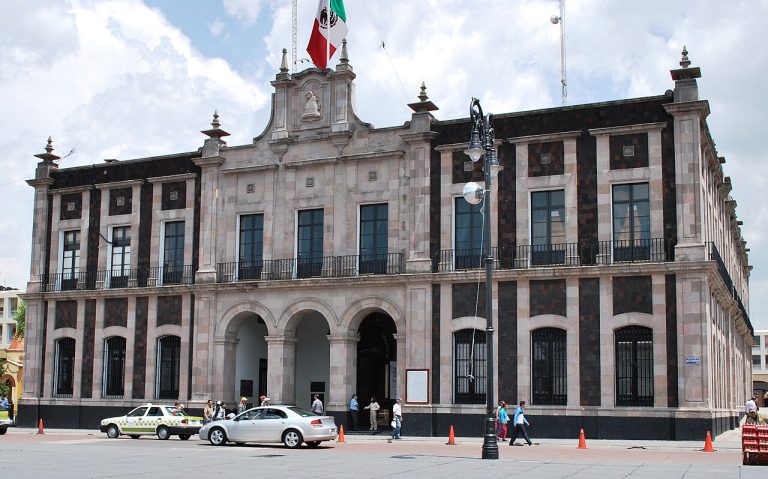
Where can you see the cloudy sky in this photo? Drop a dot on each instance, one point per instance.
(128, 78)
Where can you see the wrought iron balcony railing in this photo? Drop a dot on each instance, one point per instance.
(114, 278)
(318, 267)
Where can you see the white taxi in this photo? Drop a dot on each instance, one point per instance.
(153, 419)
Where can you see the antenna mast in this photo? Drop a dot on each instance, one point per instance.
(294, 15)
(555, 19)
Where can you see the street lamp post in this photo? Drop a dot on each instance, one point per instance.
(481, 145)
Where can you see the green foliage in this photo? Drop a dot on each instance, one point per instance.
(21, 319)
(5, 390)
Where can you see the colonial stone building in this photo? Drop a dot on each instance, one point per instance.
(328, 256)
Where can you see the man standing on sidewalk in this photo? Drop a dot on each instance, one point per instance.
(520, 422)
(397, 419)
(354, 408)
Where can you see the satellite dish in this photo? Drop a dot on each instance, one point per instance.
(554, 19)
(473, 193)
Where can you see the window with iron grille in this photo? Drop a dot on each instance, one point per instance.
(251, 250)
(114, 367)
(469, 366)
(373, 238)
(468, 234)
(121, 256)
(168, 363)
(64, 366)
(549, 366)
(634, 366)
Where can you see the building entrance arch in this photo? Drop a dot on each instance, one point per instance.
(312, 358)
(250, 379)
(376, 365)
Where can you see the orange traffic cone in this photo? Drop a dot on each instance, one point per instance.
(582, 440)
(708, 444)
(451, 437)
(340, 439)
(40, 427)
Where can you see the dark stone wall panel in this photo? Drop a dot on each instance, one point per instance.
(145, 227)
(670, 290)
(507, 228)
(668, 182)
(435, 376)
(174, 195)
(555, 151)
(547, 297)
(66, 315)
(458, 160)
(115, 194)
(71, 206)
(435, 193)
(468, 299)
(589, 341)
(89, 338)
(116, 312)
(640, 158)
(632, 294)
(169, 310)
(94, 239)
(508, 342)
(140, 346)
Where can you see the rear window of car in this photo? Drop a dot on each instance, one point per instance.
(301, 412)
(155, 411)
(138, 412)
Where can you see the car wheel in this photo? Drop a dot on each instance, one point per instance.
(3, 430)
(113, 432)
(184, 437)
(217, 436)
(135, 436)
(163, 433)
(292, 439)
(313, 444)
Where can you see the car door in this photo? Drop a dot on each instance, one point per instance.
(154, 418)
(244, 428)
(134, 421)
(271, 425)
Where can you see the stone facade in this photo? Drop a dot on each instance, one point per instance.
(324, 258)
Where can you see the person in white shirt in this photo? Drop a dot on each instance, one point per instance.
(317, 405)
(397, 414)
(374, 408)
(750, 405)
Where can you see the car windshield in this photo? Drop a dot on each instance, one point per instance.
(301, 412)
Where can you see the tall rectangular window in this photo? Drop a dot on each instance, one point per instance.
(251, 246)
(64, 366)
(374, 236)
(310, 243)
(114, 367)
(548, 227)
(468, 234)
(469, 366)
(634, 366)
(549, 366)
(173, 252)
(70, 260)
(121, 257)
(631, 223)
(168, 365)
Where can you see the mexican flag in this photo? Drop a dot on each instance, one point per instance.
(329, 30)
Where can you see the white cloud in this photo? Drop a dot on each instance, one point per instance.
(246, 11)
(216, 27)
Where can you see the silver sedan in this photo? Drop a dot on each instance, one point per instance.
(287, 424)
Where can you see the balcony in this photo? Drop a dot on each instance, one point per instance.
(319, 267)
(656, 250)
(714, 255)
(114, 279)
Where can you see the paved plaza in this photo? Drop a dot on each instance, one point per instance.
(83, 454)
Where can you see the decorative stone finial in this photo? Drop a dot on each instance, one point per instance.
(48, 156)
(344, 56)
(423, 95)
(684, 62)
(215, 131)
(284, 62)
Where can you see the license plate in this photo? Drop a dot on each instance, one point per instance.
(333, 431)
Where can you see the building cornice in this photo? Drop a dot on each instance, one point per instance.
(166, 179)
(565, 135)
(118, 184)
(628, 129)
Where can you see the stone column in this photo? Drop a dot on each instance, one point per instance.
(33, 349)
(203, 346)
(401, 366)
(281, 369)
(224, 370)
(343, 370)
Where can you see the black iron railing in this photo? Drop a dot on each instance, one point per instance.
(714, 255)
(313, 267)
(113, 279)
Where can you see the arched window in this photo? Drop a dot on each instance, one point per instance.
(168, 362)
(469, 366)
(634, 366)
(64, 367)
(113, 382)
(549, 366)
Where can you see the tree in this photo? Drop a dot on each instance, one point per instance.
(4, 389)
(21, 319)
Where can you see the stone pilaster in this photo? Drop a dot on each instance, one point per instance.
(224, 369)
(281, 358)
(343, 371)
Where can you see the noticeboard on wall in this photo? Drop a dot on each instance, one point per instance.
(417, 386)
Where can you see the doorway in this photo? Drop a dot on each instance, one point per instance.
(376, 365)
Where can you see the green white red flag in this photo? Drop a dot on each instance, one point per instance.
(329, 30)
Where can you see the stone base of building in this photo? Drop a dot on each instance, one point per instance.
(674, 427)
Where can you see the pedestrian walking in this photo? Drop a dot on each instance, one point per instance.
(520, 422)
(218, 411)
(354, 409)
(208, 412)
(750, 405)
(317, 405)
(4, 403)
(374, 411)
(397, 419)
(243, 405)
(263, 400)
(503, 418)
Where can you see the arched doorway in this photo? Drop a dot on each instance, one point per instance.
(376, 363)
(251, 359)
(313, 357)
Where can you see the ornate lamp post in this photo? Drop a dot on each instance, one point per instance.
(481, 145)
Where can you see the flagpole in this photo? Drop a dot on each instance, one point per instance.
(328, 31)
